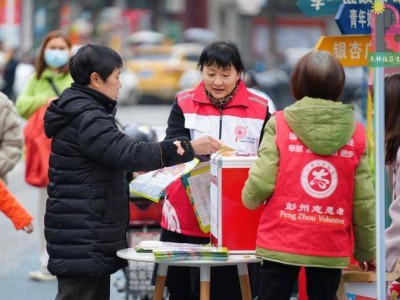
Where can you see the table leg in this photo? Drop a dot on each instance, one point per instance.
(204, 282)
(160, 281)
(244, 281)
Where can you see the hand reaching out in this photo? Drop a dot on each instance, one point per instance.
(28, 228)
(206, 145)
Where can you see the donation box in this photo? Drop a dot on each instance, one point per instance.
(232, 224)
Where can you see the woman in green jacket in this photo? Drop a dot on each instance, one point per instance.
(51, 78)
(313, 176)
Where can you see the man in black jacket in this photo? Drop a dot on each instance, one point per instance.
(87, 211)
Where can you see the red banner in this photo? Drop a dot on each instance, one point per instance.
(15, 11)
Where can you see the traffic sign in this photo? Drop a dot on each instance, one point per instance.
(312, 8)
(351, 50)
(356, 18)
(316, 8)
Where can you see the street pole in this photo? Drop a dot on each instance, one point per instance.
(379, 108)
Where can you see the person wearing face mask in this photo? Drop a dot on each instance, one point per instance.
(50, 79)
(220, 103)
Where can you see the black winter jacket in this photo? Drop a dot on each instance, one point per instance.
(87, 210)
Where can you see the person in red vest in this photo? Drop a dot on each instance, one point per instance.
(313, 178)
(219, 108)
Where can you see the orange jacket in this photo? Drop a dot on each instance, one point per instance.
(11, 207)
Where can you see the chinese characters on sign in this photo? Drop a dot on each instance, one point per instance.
(384, 59)
(354, 18)
(315, 8)
(351, 50)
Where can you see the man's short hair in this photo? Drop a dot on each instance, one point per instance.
(93, 58)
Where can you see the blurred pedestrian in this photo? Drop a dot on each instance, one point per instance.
(87, 213)
(313, 176)
(51, 78)
(13, 209)
(12, 140)
(9, 73)
(23, 72)
(211, 111)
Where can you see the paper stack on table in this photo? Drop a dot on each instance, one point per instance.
(182, 251)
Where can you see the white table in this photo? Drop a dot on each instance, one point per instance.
(240, 260)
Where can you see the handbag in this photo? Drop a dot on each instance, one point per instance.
(37, 147)
(37, 150)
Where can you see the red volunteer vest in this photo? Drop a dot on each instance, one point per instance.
(310, 211)
(241, 128)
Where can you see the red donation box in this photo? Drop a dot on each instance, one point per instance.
(232, 224)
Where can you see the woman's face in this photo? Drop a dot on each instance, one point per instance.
(220, 82)
(56, 53)
(109, 87)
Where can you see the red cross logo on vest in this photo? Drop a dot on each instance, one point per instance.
(319, 179)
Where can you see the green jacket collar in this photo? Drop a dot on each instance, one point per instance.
(324, 126)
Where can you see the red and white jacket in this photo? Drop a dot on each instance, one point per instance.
(319, 201)
(239, 125)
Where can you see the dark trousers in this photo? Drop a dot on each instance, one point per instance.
(183, 283)
(84, 288)
(277, 281)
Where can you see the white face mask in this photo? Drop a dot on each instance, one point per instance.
(56, 58)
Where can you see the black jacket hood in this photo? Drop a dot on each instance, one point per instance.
(72, 102)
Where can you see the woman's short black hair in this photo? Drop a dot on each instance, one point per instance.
(93, 58)
(318, 74)
(221, 54)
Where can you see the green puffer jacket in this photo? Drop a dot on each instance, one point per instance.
(324, 126)
(38, 91)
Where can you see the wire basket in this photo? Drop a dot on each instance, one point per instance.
(139, 274)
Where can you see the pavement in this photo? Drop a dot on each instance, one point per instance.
(19, 251)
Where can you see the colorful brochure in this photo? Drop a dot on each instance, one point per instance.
(152, 185)
(197, 184)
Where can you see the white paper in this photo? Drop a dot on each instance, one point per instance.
(200, 190)
(214, 210)
(151, 185)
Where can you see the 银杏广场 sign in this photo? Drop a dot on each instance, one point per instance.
(351, 50)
